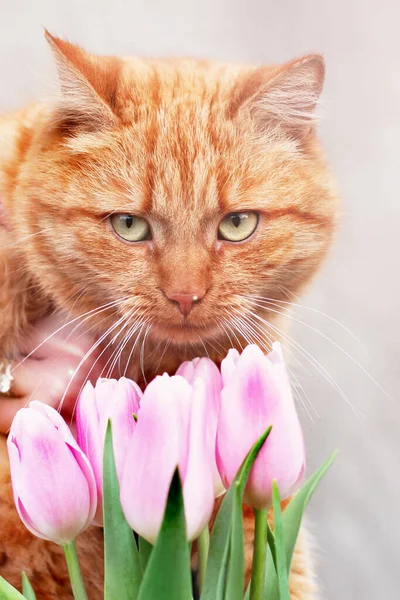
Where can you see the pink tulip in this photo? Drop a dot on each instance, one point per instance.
(207, 371)
(256, 394)
(171, 432)
(53, 483)
(110, 399)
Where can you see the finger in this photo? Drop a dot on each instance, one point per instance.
(53, 335)
(36, 381)
(53, 381)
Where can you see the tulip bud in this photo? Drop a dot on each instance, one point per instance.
(110, 399)
(170, 432)
(207, 371)
(256, 394)
(53, 483)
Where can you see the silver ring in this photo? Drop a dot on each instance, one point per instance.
(6, 377)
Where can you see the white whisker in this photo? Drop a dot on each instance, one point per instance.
(141, 325)
(113, 359)
(28, 237)
(167, 345)
(258, 331)
(142, 352)
(88, 353)
(86, 315)
(330, 340)
(317, 365)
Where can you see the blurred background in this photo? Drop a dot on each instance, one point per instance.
(355, 514)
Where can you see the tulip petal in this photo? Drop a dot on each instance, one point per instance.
(110, 399)
(207, 371)
(228, 365)
(258, 394)
(283, 456)
(202, 368)
(54, 496)
(158, 446)
(85, 466)
(243, 416)
(127, 403)
(87, 430)
(187, 370)
(198, 487)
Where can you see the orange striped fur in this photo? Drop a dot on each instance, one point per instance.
(182, 143)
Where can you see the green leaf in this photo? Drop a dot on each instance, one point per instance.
(280, 550)
(167, 575)
(244, 471)
(123, 572)
(293, 514)
(234, 584)
(271, 542)
(221, 583)
(269, 559)
(27, 589)
(219, 550)
(8, 592)
(145, 549)
(221, 533)
(203, 546)
(291, 521)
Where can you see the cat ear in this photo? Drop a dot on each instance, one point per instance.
(88, 87)
(287, 98)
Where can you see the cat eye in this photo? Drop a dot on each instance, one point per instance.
(238, 226)
(130, 228)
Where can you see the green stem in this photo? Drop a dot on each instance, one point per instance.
(259, 555)
(203, 545)
(74, 571)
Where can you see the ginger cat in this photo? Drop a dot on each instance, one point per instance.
(167, 209)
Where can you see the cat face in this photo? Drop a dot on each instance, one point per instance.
(178, 193)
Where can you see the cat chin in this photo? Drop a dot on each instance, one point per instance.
(185, 334)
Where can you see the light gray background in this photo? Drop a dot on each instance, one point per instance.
(356, 514)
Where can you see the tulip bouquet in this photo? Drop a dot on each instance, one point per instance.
(147, 467)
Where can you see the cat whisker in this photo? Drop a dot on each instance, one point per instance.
(267, 306)
(115, 355)
(247, 330)
(88, 353)
(225, 332)
(84, 316)
(211, 344)
(257, 331)
(313, 361)
(95, 326)
(141, 325)
(32, 394)
(232, 331)
(288, 304)
(79, 293)
(204, 346)
(142, 352)
(167, 345)
(28, 237)
(137, 327)
(132, 330)
(128, 316)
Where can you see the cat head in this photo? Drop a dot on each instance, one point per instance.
(179, 193)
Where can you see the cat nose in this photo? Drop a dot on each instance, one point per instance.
(185, 302)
